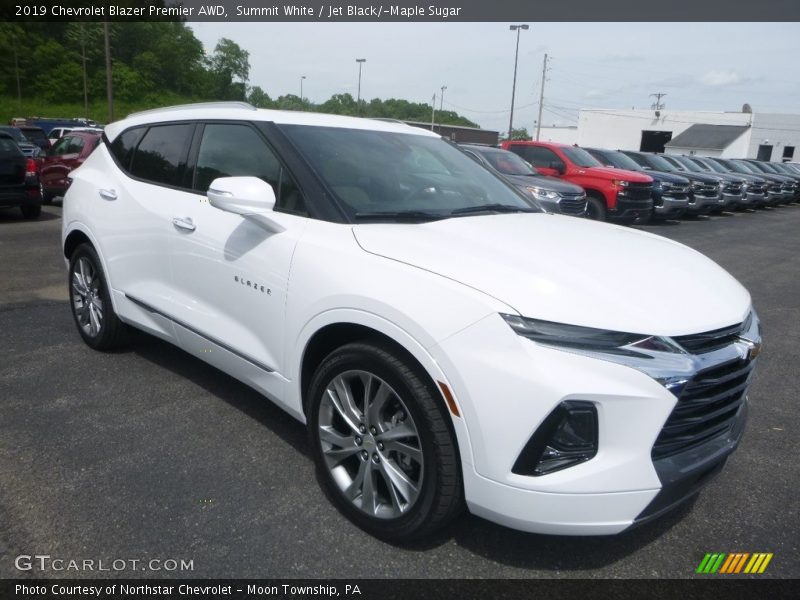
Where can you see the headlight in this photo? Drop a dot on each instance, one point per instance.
(543, 194)
(587, 338)
(620, 182)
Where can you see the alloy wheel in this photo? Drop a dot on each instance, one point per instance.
(86, 297)
(370, 444)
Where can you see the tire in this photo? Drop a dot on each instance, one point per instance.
(31, 211)
(90, 300)
(645, 218)
(351, 457)
(47, 198)
(595, 208)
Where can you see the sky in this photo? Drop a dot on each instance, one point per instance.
(700, 66)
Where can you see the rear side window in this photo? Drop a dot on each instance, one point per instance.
(122, 148)
(161, 155)
(75, 145)
(9, 148)
(536, 155)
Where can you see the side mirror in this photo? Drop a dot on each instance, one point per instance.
(246, 196)
(558, 166)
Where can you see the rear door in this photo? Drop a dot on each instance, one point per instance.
(12, 170)
(57, 165)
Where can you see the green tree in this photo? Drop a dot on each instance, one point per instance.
(519, 134)
(259, 98)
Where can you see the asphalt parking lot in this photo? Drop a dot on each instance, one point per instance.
(150, 453)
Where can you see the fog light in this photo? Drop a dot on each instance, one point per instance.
(567, 437)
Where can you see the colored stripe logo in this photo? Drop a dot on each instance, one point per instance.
(734, 563)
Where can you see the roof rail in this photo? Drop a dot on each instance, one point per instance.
(231, 104)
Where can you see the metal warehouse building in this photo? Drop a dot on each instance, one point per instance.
(765, 136)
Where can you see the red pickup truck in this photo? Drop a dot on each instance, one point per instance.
(611, 193)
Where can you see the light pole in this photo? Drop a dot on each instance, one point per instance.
(302, 77)
(360, 62)
(441, 100)
(516, 28)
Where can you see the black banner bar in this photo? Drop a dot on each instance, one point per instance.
(401, 10)
(730, 588)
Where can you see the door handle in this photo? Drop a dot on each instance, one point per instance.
(184, 223)
(107, 194)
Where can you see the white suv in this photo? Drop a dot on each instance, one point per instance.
(445, 340)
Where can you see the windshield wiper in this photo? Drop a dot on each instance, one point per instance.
(400, 215)
(498, 208)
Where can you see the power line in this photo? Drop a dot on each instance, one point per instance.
(658, 105)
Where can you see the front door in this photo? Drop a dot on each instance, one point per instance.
(230, 271)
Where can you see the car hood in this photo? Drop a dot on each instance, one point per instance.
(570, 270)
(669, 177)
(542, 181)
(612, 173)
(701, 177)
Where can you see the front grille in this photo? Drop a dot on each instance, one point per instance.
(755, 189)
(699, 343)
(677, 191)
(707, 407)
(636, 191)
(572, 204)
(775, 188)
(707, 190)
(733, 188)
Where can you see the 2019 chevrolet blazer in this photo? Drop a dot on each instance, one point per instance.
(445, 342)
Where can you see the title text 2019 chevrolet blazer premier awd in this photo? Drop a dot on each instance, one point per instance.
(445, 342)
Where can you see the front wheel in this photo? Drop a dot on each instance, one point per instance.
(595, 208)
(90, 299)
(31, 211)
(383, 447)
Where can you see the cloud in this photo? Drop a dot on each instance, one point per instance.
(720, 78)
(595, 94)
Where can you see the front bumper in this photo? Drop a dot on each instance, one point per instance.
(18, 196)
(752, 200)
(669, 207)
(702, 205)
(730, 201)
(628, 210)
(506, 394)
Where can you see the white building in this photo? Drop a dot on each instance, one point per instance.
(728, 134)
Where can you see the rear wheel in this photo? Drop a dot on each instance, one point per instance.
(31, 211)
(595, 208)
(47, 198)
(381, 442)
(90, 299)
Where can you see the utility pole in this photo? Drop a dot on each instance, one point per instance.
(360, 62)
(541, 97)
(441, 100)
(516, 28)
(85, 84)
(433, 111)
(302, 78)
(658, 105)
(109, 84)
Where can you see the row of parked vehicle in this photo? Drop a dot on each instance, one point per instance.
(35, 164)
(627, 186)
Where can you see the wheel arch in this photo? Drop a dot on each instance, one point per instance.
(337, 328)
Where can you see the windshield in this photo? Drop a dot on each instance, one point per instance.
(506, 162)
(768, 168)
(581, 157)
(747, 168)
(687, 164)
(14, 133)
(701, 164)
(733, 166)
(659, 163)
(622, 161)
(715, 165)
(374, 173)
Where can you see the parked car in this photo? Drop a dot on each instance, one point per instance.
(779, 169)
(446, 343)
(56, 133)
(670, 191)
(28, 148)
(551, 193)
(36, 135)
(787, 183)
(731, 185)
(613, 194)
(775, 193)
(754, 188)
(66, 155)
(704, 191)
(18, 179)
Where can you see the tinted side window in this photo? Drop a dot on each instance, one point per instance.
(540, 157)
(232, 150)
(60, 147)
(122, 148)
(75, 145)
(161, 155)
